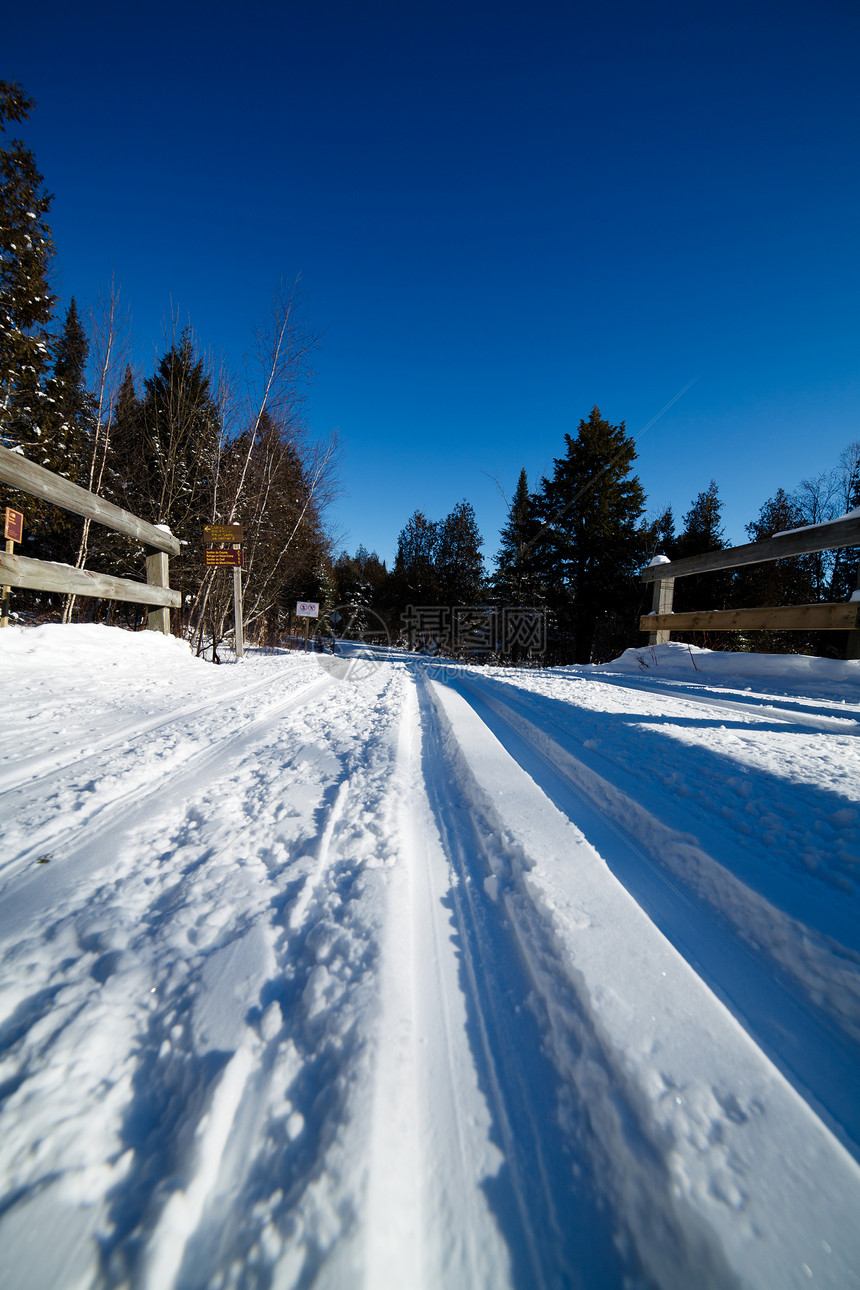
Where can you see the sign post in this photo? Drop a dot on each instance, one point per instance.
(237, 611)
(307, 609)
(229, 556)
(13, 532)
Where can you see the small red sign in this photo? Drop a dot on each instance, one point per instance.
(14, 525)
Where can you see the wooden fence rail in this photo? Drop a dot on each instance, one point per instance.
(41, 575)
(842, 616)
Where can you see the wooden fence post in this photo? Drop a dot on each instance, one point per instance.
(664, 591)
(157, 575)
(852, 650)
(4, 610)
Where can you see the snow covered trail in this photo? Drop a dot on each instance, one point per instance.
(385, 974)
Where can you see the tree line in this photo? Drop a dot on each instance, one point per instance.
(184, 446)
(573, 548)
(187, 445)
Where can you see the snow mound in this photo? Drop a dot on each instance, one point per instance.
(91, 645)
(677, 660)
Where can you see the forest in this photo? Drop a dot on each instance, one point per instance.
(192, 443)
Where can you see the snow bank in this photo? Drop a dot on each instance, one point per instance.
(684, 661)
(64, 645)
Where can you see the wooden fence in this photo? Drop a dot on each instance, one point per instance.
(42, 575)
(844, 616)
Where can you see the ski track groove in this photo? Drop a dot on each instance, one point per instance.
(515, 1072)
(22, 775)
(171, 783)
(833, 1096)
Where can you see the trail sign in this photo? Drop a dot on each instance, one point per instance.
(218, 558)
(14, 525)
(308, 609)
(223, 533)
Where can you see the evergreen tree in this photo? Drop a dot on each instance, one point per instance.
(67, 424)
(26, 302)
(415, 562)
(71, 414)
(846, 560)
(661, 538)
(777, 582)
(517, 579)
(703, 532)
(181, 429)
(591, 546)
(459, 563)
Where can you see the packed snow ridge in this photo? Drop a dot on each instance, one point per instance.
(370, 970)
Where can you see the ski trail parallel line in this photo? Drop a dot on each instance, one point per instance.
(303, 900)
(21, 774)
(395, 1256)
(122, 810)
(182, 1214)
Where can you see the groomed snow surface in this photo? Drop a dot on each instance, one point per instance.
(342, 971)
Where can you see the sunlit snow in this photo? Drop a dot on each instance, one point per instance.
(386, 972)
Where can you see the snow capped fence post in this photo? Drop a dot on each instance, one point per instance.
(664, 591)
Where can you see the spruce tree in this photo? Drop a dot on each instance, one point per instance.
(71, 414)
(181, 429)
(517, 579)
(846, 561)
(415, 561)
(703, 532)
(66, 425)
(459, 563)
(26, 302)
(661, 536)
(592, 543)
(776, 582)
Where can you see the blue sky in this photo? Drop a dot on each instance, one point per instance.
(502, 215)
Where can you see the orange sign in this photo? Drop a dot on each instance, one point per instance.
(14, 525)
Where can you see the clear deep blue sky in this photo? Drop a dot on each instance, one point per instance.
(502, 214)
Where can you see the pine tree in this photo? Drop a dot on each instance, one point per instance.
(846, 560)
(591, 547)
(415, 562)
(661, 538)
(71, 414)
(777, 582)
(459, 563)
(26, 302)
(67, 424)
(517, 581)
(181, 427)
(703, 532)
